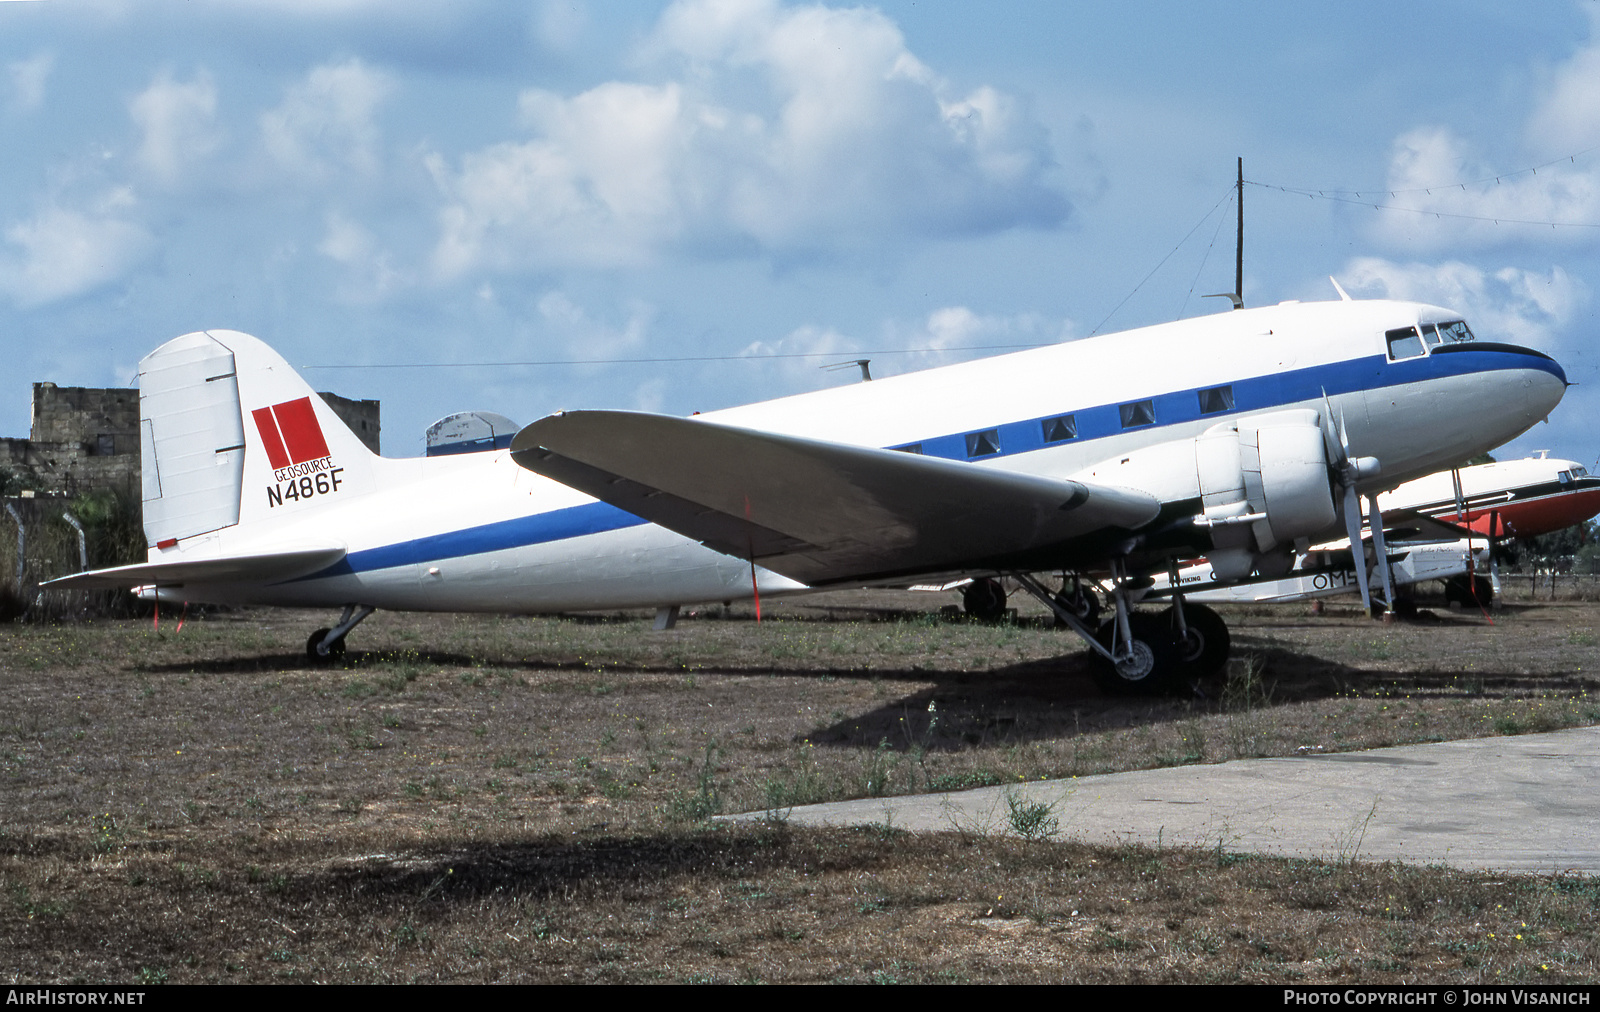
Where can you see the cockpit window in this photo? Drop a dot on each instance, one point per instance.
(1404, 343)
(1580, 472)
(1456, 332)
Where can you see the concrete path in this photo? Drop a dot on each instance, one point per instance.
(1527, 803)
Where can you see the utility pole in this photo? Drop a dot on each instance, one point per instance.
(1238, 252)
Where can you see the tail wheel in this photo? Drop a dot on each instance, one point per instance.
(1149, 670)
(1203, 652)
(314, 654)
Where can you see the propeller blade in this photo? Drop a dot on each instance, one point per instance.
(1375, 519)
(1352, 526)
(1333, 441)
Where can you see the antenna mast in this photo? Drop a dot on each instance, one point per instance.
(1238, 254)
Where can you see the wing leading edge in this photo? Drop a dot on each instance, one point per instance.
(822, 512)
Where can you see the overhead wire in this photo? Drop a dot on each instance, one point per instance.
(1372, 196)
(672, 358)
(1221, 220)
(1206, 217)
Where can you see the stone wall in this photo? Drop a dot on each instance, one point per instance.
(82, 439)
(86, 439)
(361, 416)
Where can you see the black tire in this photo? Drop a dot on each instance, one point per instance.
(1405, 607)
(1154, 668)
(1084, 603)
(335, 649)
(1204, 652)
(984, 600)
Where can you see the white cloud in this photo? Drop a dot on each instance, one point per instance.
(786, 131)
(178, 122)
(369, 274)
(800, 356)
(948, 334)
(1510, 304)
(1467, 201)
(328, 121)
(583, 336)
(1568, 116)
(954, 328)
(1474, 212)
(66, 252)
(28, 78)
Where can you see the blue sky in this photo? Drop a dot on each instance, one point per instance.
(367, 185)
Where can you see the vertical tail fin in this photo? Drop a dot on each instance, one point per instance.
(231, 434)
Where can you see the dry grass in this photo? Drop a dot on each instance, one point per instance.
(524, 799)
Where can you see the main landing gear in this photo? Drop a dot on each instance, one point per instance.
(327, 645)
(1140, 653)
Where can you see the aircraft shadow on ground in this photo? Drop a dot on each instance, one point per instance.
(1048, 699)
(1057, 699)
(471, 870)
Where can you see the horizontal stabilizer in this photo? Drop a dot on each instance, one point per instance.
(822, 512)
(269, 567)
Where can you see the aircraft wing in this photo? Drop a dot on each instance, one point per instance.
(822, 512)
(1410, 525)
(267, 567)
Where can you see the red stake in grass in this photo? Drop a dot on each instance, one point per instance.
(755, 589)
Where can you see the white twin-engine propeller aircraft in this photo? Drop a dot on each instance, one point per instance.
(1238, 436)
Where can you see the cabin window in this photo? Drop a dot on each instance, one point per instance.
(1216, 399)
(1404, 343)
(982, 444)
(1138, 413)
(1060, 428)
(909, 448)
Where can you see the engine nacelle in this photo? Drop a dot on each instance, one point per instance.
(1284, 461)
(1263, 482)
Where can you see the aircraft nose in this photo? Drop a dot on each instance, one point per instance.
(1543, 389)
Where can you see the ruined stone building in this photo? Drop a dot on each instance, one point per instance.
(85, 439)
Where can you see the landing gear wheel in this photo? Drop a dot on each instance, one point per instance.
(315, 655)
(1150, 669)
(1204, 651)
(1084, 604)
(1405, 607)
(984, 600)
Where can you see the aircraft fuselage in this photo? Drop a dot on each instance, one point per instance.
(477, 532)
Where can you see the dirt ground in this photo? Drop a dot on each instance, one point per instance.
(485, 798)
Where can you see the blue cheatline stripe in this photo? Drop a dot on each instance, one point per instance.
(537, 529)
(1255, 394)
(1258, 393)
(484, 445)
